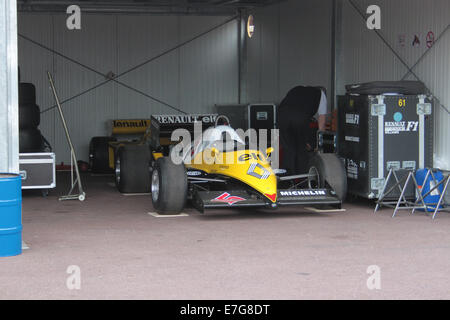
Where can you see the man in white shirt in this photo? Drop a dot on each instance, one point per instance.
(322, 111)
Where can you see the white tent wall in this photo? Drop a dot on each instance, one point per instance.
(291, 46)
(364, 56)
(192, 78)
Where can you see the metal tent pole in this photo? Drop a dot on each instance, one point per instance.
(73, 158)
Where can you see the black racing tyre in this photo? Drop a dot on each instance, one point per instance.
(132, 169)
(47, 147)
(30, 140)
(27, 93)
(29, 116)
(169, 186)
(331, 171)
(99, 154)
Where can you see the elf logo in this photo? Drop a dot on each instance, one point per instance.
(253, 156)
(227, 198)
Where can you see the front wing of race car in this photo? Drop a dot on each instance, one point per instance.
(240, 199)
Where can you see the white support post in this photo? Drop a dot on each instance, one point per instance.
(9, 114)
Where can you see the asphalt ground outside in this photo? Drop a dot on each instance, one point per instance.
(122, 252)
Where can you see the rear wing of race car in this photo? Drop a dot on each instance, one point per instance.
(162, 126)
(129, 126)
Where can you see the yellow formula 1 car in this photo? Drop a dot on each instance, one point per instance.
(214, 172)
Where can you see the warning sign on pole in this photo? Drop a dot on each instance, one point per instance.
(416, 41)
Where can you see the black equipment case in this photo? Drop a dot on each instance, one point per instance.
(237, 113)
(37, 170)
(380, 132)
(255, 115)
(251, 116)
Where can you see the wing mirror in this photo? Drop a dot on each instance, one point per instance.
(269, 151)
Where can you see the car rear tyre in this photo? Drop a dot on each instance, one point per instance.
(27, 93)
(330, 171)
(169, 186)
(132, 169)
(30, 140)
(99, 154)
(29, 116)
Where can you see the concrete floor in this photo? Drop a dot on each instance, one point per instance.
(124, 253)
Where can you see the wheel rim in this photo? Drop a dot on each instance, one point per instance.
(155, 185)
(314, 181)
(117, 171)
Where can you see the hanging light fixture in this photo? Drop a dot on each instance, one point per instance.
(250, 26)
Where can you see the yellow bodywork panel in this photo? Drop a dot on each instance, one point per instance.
(111, 157)
(133, 126)
(157, 155)
(248, 166)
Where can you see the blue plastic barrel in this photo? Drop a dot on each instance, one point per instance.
(426, 186)
(10, 215)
